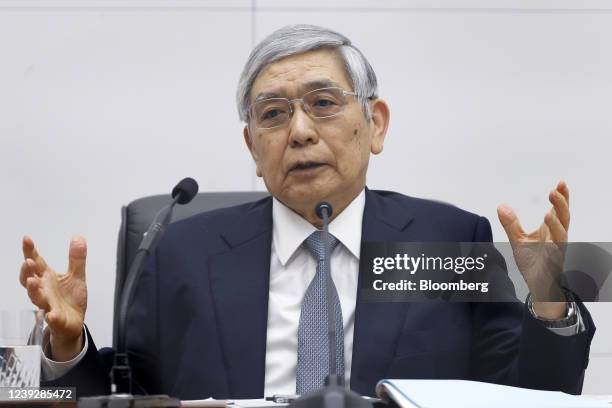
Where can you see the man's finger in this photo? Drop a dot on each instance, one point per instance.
(36, 294)
(57, 321)
(77, 255)
(564, 190)
(28, 269)
(54, 320)
(557, 231)
(510, 222)
(561, 207)
(29, 251)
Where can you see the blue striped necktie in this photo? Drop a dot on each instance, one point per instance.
(313, 343)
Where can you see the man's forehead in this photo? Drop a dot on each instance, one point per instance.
(300, 73)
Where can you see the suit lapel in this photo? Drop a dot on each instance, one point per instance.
(239, 281)
(377, 325)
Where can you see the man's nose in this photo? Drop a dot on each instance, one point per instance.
(302, 129)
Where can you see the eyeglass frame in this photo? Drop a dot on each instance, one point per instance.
(306, 110)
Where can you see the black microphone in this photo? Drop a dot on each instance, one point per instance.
(333, 394)
(182, 193)
(185, 190)
(121, 373)
(324, 211)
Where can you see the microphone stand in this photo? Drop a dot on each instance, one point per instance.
(333, 394)
(121, 373)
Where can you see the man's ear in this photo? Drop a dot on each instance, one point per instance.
(379, 123)
(249, 142)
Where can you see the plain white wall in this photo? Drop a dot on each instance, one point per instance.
(491, 101)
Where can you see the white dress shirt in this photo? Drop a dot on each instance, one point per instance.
(292, 268)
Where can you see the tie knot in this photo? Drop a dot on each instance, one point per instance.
(314, 243)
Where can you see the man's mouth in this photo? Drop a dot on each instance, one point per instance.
(305, 166)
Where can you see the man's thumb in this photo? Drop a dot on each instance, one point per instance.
(76, 256)
(510, 222)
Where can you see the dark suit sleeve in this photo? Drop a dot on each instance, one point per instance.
(512, 347)
(551, 361)
(91, 376)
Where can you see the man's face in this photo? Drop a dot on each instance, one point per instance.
(312, 159)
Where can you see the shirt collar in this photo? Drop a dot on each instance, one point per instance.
(289, 229)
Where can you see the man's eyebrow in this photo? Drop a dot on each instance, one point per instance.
(267, 95)
(308, 86)
(320, 83)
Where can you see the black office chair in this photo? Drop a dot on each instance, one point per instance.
(138, 215)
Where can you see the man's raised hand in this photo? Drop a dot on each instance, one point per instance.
(62, 297)
(539, 254)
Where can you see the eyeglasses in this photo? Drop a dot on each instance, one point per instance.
(321, 103)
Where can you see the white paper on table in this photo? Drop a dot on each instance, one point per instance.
(239, 403)
(474, 394)
(205, 403)
(254, 403)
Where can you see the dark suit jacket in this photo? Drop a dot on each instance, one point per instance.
(197, 327)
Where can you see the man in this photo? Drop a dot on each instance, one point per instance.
(225, 308)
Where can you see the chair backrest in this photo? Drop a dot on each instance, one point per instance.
(138, 215)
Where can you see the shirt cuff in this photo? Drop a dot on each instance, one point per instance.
(50, 369)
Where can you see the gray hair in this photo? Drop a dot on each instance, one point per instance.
(297, 39)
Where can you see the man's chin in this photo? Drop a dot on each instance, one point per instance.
(304, 197)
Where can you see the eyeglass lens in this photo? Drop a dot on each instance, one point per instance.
(320, 103)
